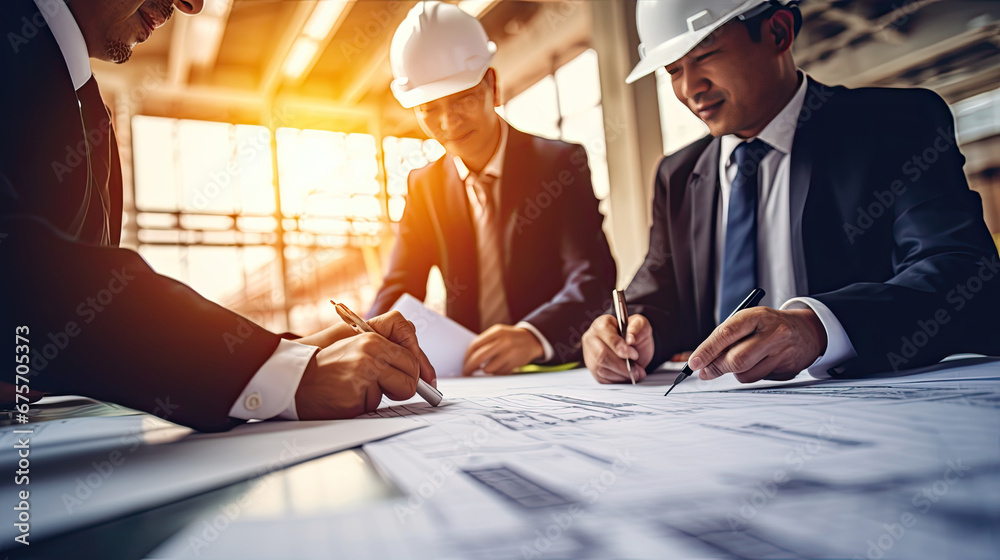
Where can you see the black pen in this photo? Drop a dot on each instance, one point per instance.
(621, 313)
(751, 300)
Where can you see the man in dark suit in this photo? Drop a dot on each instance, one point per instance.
(854, 198)
(509, 218)
(96, 320)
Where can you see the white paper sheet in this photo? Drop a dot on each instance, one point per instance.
(442, 339)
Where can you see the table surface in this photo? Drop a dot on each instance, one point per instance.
(947, 503)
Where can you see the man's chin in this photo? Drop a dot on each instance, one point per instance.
(117, 52)
(718, 127)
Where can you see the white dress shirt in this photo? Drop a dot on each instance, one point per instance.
(271, 391)
(779, 274)
(68, 36)
(495, 167)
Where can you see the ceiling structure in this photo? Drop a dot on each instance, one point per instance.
(950, 46)
(325, 63)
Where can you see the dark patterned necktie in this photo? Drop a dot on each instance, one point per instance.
(99, 136)
(739, 263)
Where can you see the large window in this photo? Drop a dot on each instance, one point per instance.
(206, 212)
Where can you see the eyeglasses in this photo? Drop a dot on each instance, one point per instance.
(464, 103)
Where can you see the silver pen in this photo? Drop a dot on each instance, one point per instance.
(424, 389)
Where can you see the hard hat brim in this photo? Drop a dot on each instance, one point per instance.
(411, 96)
(675, 49)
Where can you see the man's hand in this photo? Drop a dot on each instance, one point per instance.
(329, 335)
(500, 349)
(762, 342)
(396, 328)
(391, 325)
(350, 376)
(604, 350)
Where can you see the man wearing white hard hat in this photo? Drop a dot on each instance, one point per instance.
(848, 207)
(510, 219)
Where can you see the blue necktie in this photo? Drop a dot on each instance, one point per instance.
(739, 263)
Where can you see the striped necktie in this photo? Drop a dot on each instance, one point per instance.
(489, 250)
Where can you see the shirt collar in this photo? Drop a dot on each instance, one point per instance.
(69, 37)
(495, 165)
(780, 132)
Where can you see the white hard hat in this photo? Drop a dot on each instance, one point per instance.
(438, 50)
(669, 29)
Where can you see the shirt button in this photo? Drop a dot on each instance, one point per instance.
(252, 401)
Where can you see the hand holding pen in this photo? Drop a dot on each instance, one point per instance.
(752, 299)
(763, 343)
(605, 349)
(350, 373)
(428, 392)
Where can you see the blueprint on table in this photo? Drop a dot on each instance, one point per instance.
(556, 466)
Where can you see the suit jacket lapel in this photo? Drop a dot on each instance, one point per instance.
(460, 266)
(703, 189)
(513, 183)
(800, 176)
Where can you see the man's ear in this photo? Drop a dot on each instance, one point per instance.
(493, 85)
(781, 29)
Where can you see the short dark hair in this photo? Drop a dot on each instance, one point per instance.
(753, 24)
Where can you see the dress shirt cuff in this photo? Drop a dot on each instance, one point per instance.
(271, 391)
(838, 345)
(547, 350)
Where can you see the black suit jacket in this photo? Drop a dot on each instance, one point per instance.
(102, 322)
(558, 271)
(890, 233)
